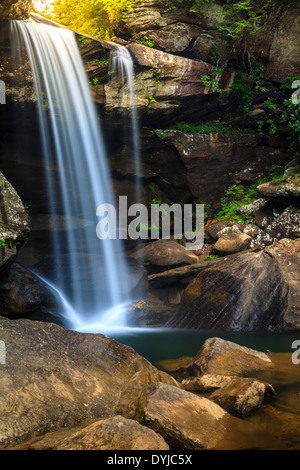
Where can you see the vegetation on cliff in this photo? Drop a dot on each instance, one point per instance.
(97, 17)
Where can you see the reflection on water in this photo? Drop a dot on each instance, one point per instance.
(277, 424)
(162, 343)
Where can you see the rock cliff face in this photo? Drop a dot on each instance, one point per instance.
(182, 32)
(15, 9)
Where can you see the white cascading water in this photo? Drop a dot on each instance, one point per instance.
(93, 286)
(122, 66)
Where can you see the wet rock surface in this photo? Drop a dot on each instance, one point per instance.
(64, 370)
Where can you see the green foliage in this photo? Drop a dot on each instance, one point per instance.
(272, 127)
(91, 17)
(239, 16)
(84, 41)
(267, 128)
(274, 172)
(217, 127)
(214, 57)
(151, 100)
(287, 84)
(146, 42)
(269, 104)
(244, 84)
(160, 134)
(258, 74)
(96, 17)
(243, 16)
(6, 243)
(154, 200)
(238, 195)
(213, 82)
(235, 196)
(98, 62)
(260, 125)
(212, 256)
(241, 88)
(291, 115)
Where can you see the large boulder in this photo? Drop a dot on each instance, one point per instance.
(245, 292)
(241, 396)
(287, 191)
(115, 433)
(253, 207)
(55, 378)
(221, 357)
(14, 223)
(167, 86)
(206, 383)
(24, 295)
(165, 253)
(185, 420)
(231, 240)
(285, 225)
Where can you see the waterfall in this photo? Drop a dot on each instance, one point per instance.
(122, 67)
(91, 275)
